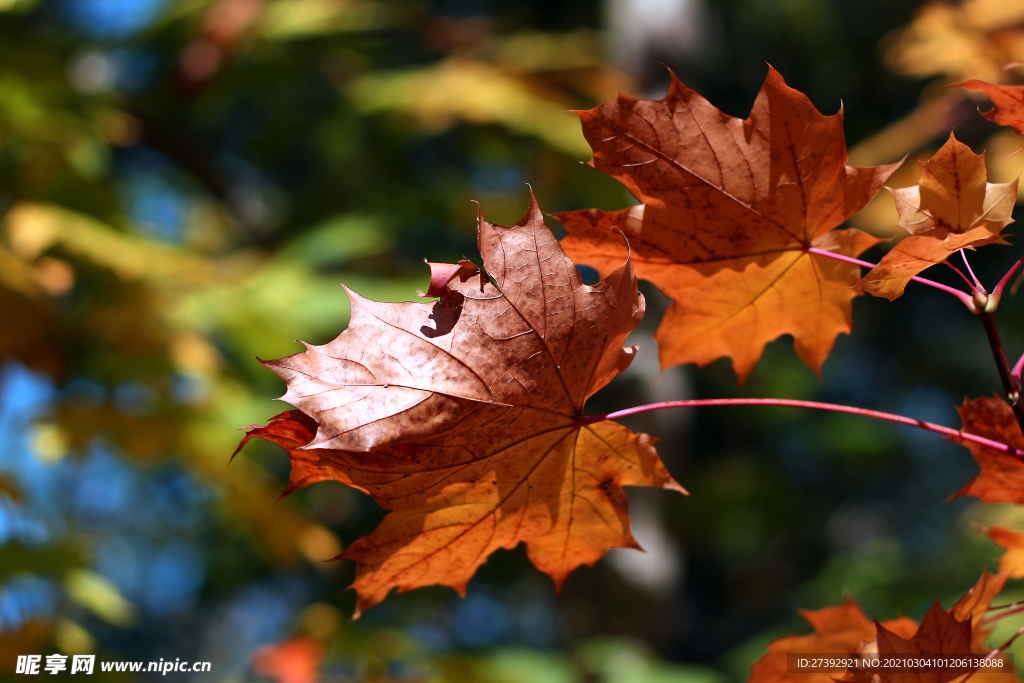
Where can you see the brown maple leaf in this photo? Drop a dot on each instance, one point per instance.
(292, 430)
(730, 210)
(1007, 101)
(953, 208)
(464, 417)
(1002, 475)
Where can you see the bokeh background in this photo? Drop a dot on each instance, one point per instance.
(184, 183)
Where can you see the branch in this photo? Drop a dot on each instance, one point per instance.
(1011, 387)
(814, 405)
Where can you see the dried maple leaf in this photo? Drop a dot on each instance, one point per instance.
(1012, 561)
(1002, 476)
(953, 208)
(1007, 101)
(731, 209)
(464, 417)
(292, 430)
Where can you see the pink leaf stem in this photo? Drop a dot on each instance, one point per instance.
(998, 291)
(995, 652)
(997, 617)
(813, 405)
(977, 282)
(965, 298)
(1017, 367)
(962, 276)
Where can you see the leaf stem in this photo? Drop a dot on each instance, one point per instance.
(1008, 605)
(997, 293)
(964, 298)
(977, 282)
(962, 276)
(995, 652)
(1017, 367)
(1011, 387)
(997, 617)
(814, 405)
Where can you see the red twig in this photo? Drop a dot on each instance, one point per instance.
(814, 405)
(1011, 386)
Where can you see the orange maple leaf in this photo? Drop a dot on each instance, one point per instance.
(1007, 101)
(292, 430)
(1012, 561)
(845, 629)
(837, 630)
(464, 417)
(975, 603)
(292, 661)
(1002, 475)
(960, 630)
(731, 209)
(953, 208)
(940, 633)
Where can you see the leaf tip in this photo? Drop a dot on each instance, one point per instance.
(559, 580)
(533, 212)
(673, 485)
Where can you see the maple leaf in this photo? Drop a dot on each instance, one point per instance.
(1002, 475)
(464, 416)
(845, 629)
(974, 605)
(292, 430)
(960, 630)
(1007, 102)
(959, 39)
(730, 210)
(940, 633)
(292, 661)
(1012, 561)
(837, 630)
(953, 208)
